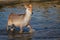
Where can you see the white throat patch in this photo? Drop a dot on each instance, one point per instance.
(28, 11)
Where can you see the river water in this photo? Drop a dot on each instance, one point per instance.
(45, 21)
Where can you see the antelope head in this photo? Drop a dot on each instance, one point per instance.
(28, 9)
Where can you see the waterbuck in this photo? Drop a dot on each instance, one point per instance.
(21, 20)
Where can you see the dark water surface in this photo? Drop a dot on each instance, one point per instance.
(45, 21)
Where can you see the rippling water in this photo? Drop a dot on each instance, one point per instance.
(45, 20)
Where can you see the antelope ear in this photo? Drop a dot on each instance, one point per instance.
(30, 5)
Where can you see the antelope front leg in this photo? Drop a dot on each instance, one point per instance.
(21, 30)
(29, 26)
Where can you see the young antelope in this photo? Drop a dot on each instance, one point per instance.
(21, 20)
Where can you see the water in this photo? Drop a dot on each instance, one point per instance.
(45, 21)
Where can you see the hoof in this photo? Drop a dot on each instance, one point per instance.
(30, 31)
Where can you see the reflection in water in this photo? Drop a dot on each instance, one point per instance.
(13, 36)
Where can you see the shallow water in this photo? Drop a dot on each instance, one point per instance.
(45, 21)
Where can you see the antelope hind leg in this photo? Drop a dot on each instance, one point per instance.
(7, 28)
